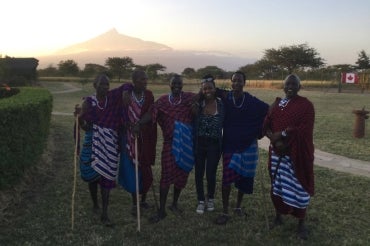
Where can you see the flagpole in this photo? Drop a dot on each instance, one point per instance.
(340, 81)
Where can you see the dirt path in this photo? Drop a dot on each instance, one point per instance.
(332, 161)
(69, 88)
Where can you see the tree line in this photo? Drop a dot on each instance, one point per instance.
(275, 64)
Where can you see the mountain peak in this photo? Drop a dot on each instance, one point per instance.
(112, 31)
(113, 41)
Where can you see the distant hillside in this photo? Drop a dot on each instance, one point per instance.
(113, 44)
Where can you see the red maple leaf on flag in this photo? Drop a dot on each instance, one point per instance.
(351, 78)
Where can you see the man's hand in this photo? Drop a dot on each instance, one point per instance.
(78, 110)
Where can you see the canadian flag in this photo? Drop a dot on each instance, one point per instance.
(350, 78)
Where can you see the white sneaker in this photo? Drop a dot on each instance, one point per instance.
(200, 208)
(210, 205)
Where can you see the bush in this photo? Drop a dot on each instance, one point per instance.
(24, 127)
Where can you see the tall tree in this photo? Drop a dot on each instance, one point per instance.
(214, 70)
(363, 60)
(251, 71)
(120, 66)
(48, 72)
(68, 68)
(91, 69)
(153, 69)
(294, 57)
(189, 73)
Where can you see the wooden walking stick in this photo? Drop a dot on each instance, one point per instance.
(74, 171)
(137, 185)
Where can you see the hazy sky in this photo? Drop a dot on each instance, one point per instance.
(337, 29)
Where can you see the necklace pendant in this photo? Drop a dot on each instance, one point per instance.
(283, 103)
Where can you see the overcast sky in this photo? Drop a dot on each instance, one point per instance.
(337, 29)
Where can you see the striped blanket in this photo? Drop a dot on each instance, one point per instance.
(87, 173)
(285, 184)
(245, 163)
(105, 152)
(182, 146)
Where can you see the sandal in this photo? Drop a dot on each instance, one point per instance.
(145, 205)
(106, 221)
(156, 218)
(302, 233)
(278, 221)
(239, 212)
(222, 219)
(175, 209)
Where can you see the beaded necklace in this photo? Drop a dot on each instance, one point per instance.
(138, 101)
(105, 104)
(240, 105)
(170, 99)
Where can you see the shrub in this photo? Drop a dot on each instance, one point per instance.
(24, 127)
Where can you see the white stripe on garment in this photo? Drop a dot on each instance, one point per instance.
(104, 143)
(105, 152)
(286, 185)
(133, 114)
(245, 163)
(182, 146)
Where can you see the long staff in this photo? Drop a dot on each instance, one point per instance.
(74, 171)
(137, 186)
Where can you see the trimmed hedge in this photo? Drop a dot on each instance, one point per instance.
(24, 127)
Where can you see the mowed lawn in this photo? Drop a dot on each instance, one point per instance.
(339, 213)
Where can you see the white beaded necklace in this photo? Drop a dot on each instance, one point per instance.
(105, 104)
(240, 105)
(170, 98)
(138, 101)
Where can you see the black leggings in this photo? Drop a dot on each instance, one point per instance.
(207, 156)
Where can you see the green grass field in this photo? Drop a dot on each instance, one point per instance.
(339, 213)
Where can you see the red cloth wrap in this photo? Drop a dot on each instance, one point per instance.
(298, 117)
